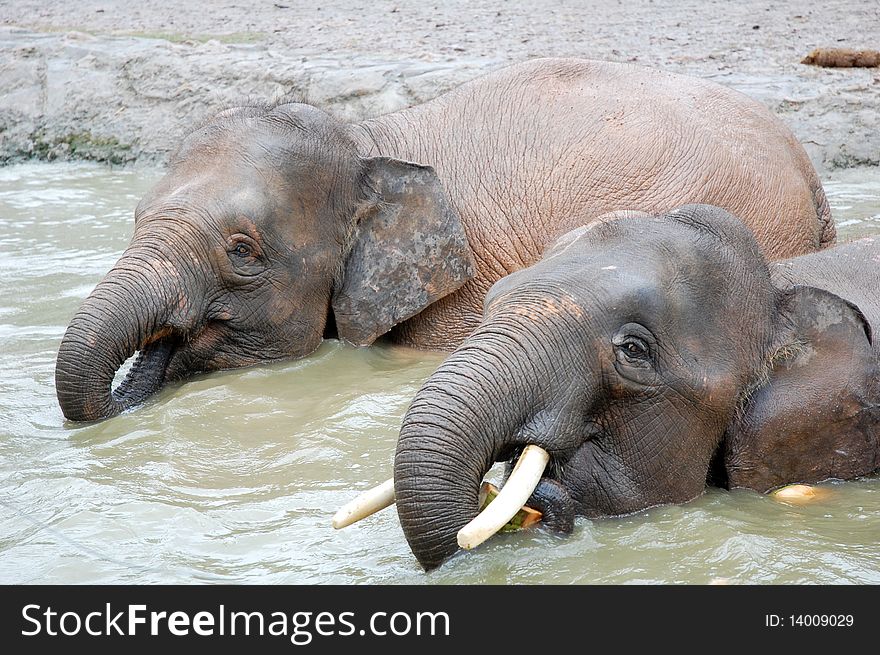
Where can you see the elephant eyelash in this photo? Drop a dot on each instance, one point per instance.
(633, 348)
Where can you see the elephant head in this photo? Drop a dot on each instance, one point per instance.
(268, 231)
(634, 354)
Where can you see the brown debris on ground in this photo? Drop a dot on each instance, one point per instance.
(842, 58)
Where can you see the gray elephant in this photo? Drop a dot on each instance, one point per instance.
(278, 225)
(641, 357)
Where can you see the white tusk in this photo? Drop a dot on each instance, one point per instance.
(522, 482)
(367, 503)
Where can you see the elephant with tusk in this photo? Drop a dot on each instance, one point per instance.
(642, 357)
(277, 225)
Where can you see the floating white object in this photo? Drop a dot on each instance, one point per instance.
(800, 493)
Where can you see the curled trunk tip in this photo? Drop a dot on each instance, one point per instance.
(102, 335)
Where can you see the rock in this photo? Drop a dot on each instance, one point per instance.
(145, 92)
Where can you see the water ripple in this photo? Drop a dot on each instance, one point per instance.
(233, 477)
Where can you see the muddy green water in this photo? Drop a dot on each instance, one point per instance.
(233, 477)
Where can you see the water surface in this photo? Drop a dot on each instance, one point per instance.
(233, 477)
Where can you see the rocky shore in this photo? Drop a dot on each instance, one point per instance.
(120, 82)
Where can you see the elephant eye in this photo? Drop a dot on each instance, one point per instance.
(631, 349)
(245, 256)
(635, 349)
(635, 352)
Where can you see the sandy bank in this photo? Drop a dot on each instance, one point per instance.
(121, 81)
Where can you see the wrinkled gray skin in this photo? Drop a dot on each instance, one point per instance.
(278, 225)
(648, 354)
(817, 416)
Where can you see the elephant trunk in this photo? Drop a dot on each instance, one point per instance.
(472, 412)
(138, 306)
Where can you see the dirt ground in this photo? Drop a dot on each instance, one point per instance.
(120, 81)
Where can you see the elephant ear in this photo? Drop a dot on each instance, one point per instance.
(818, 415)
(410, 249)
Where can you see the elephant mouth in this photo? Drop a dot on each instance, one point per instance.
(533, 466)
(148, 371)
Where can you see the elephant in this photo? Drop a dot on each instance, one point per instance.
(277, 225)
(816, 417)
(646, 357)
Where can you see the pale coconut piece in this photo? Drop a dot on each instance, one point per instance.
(524, 518)
(520, 484)
(801, 494)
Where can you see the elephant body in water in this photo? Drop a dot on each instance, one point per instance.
(647, 354)
(277, 225)
(817, 417)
